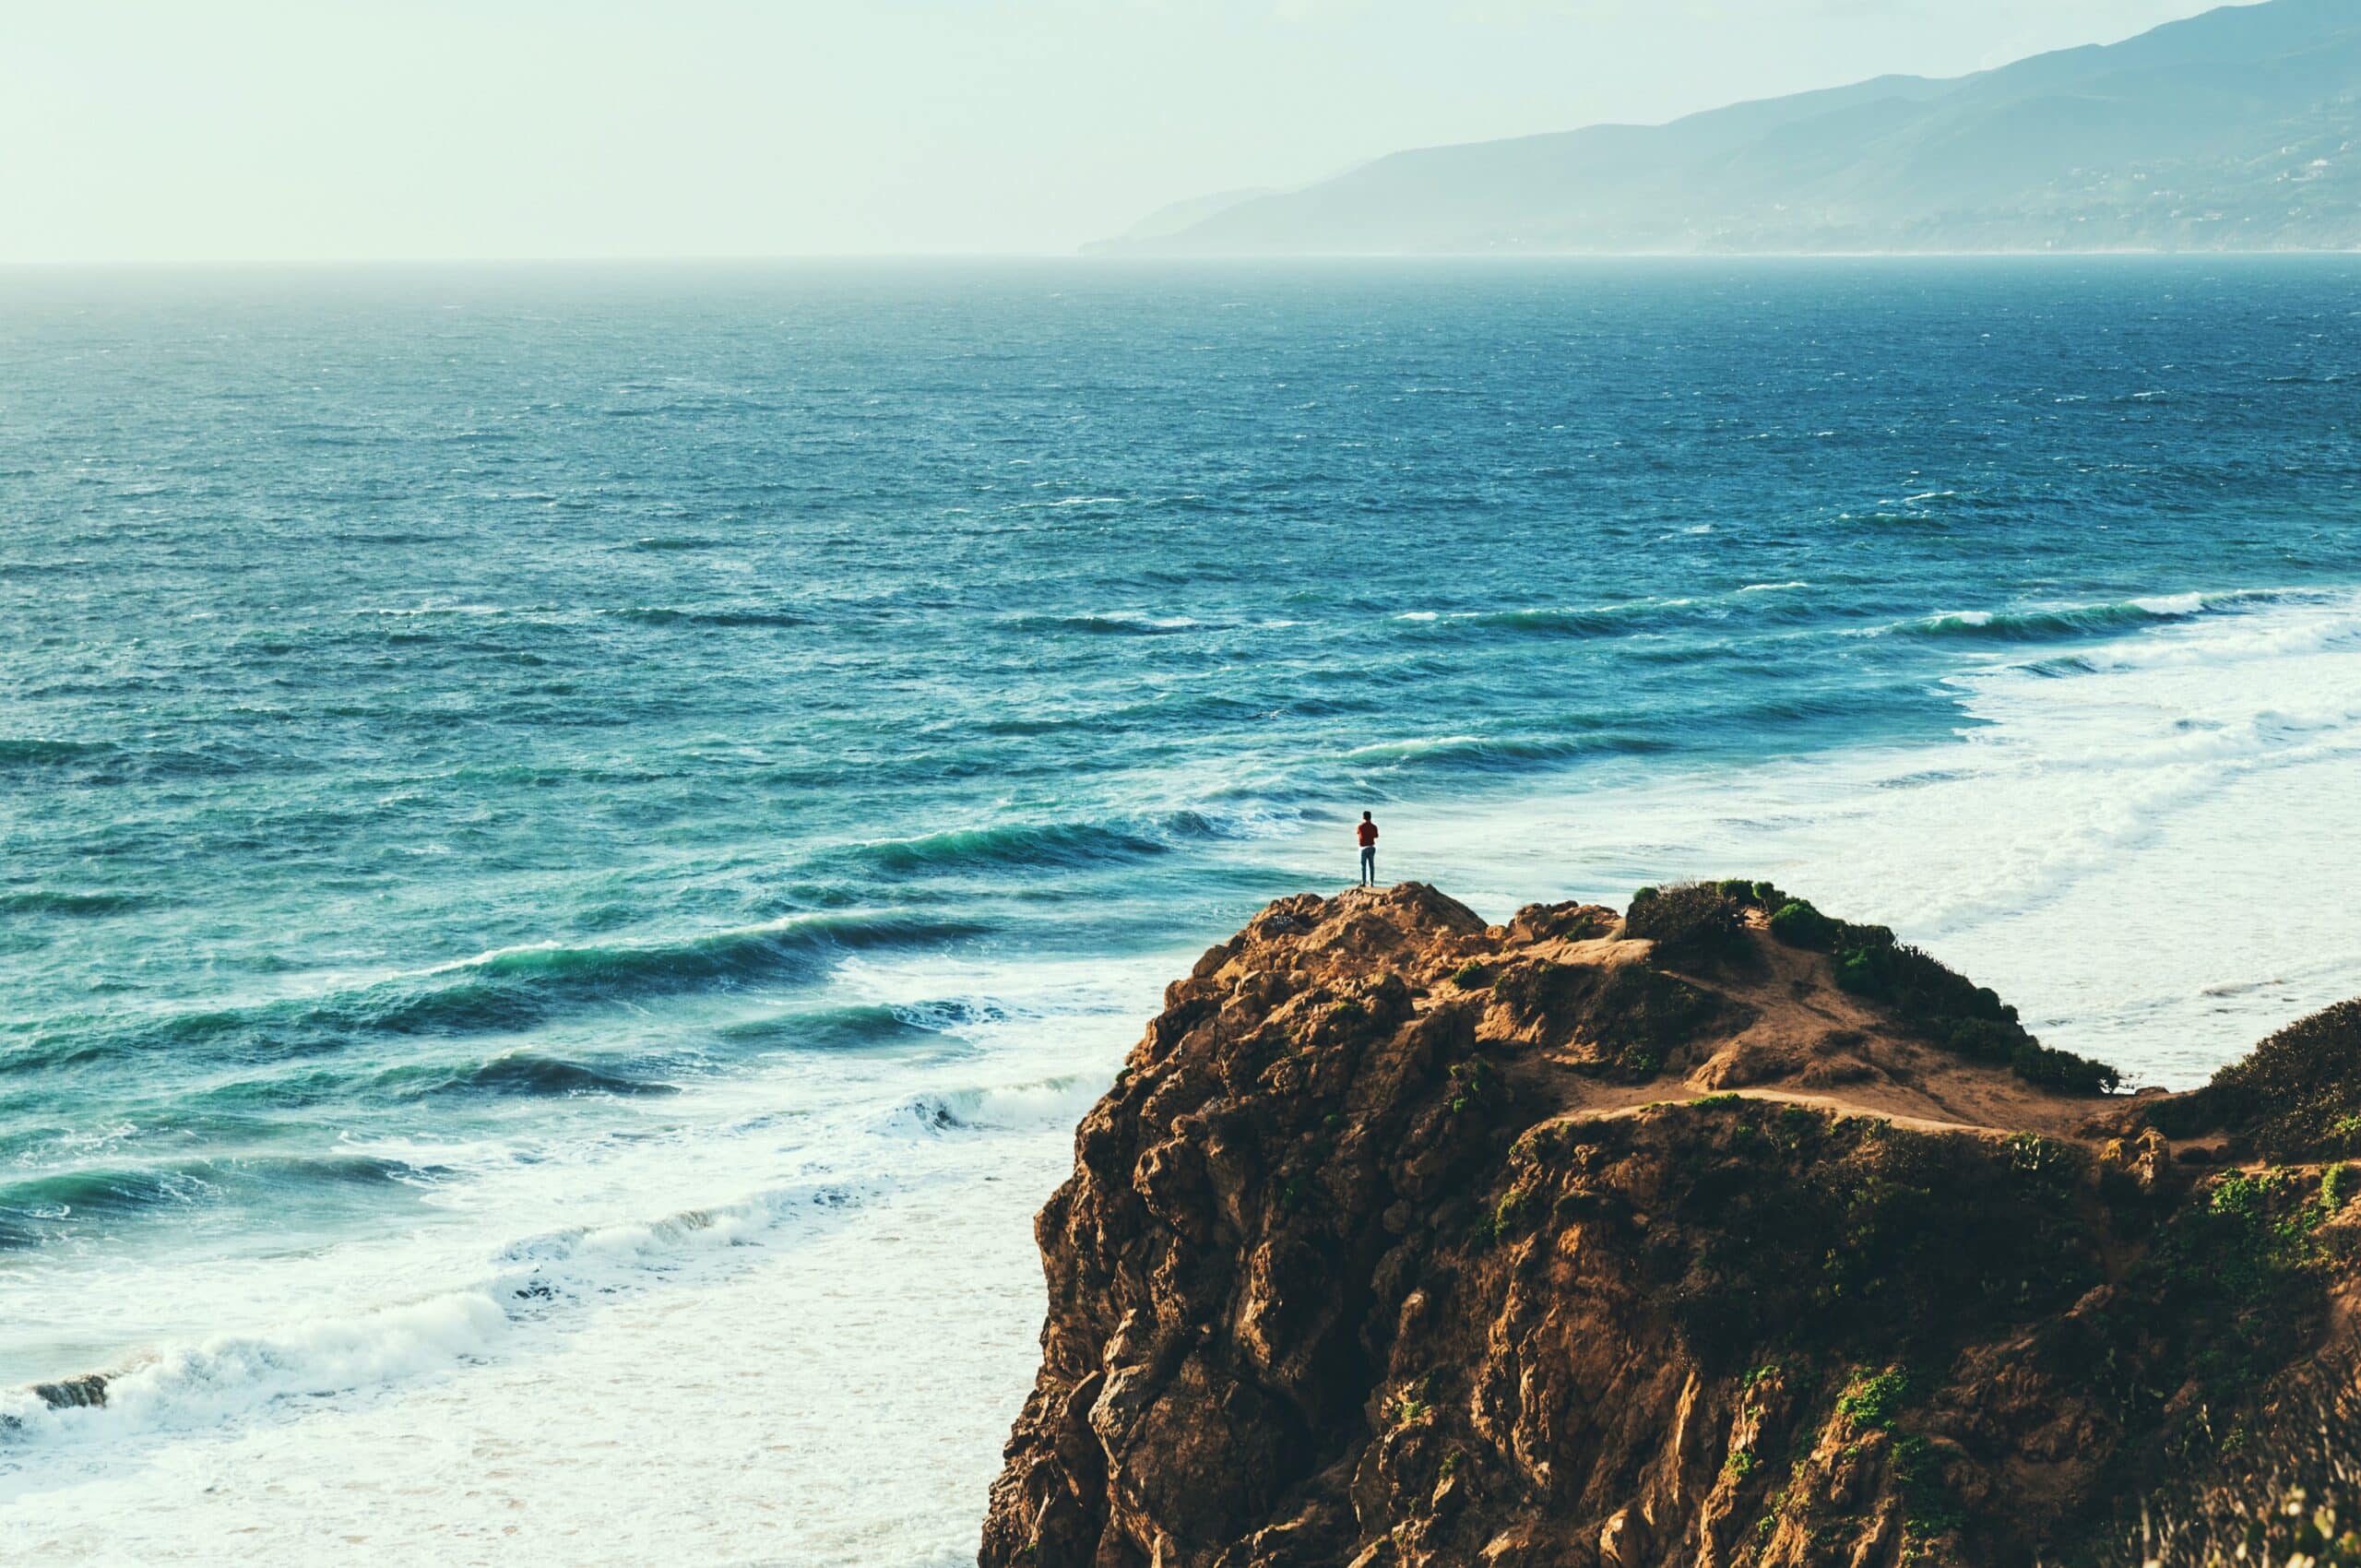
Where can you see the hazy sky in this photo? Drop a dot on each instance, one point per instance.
(232, 129)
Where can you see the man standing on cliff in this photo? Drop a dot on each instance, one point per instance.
(1368, 833)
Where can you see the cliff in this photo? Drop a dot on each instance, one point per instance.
(1722, 1233)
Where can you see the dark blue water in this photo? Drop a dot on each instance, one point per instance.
(446, 713)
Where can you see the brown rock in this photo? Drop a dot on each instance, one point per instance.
(1361, 1264)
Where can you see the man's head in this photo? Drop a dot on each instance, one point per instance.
(1364, 816)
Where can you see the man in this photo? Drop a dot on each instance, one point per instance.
(1368, 831)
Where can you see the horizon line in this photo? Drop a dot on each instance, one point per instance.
(1094, 256)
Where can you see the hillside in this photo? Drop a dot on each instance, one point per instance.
(1717, 1233)
(2234, 130)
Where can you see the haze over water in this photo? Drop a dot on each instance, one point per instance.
(575, 841)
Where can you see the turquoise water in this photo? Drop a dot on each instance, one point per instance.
(466, 727)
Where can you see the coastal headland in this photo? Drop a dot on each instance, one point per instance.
(1716, 1231)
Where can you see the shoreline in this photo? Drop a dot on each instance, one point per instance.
(1603, 839)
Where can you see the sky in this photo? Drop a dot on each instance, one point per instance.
(237, 130)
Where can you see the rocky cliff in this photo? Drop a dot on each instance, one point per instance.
(1720, 1233)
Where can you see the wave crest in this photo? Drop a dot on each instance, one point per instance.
(1047, 844)
(507, 989)
(2058, 623)
(1497, 754)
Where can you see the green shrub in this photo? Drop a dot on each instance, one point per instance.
(2046, 1068)
(1694, 921)
(1798, 924)
(1472, 975)
(1514, 1210)
(1858, 972)
(1873, 1400)
(1469, 1083)
(2253, 1237)
(1990, 1040)
(2297, 1095)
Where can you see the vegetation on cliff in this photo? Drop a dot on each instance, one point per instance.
(2296, 1097)
(1725, 1232)
(1934, 1001)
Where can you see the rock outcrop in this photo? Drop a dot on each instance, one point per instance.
(1402, 1239)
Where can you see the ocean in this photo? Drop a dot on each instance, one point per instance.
(576, 839)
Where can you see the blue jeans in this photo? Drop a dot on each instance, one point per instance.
(1368, 864)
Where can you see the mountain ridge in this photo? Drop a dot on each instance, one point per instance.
(2234, 129)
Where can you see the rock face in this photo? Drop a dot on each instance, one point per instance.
(1407, 1240)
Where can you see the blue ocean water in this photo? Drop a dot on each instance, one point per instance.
(469, 729)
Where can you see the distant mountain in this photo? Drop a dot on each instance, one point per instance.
(1172, 218)
(2239, 129)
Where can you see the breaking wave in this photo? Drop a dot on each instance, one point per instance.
(192, 1387)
